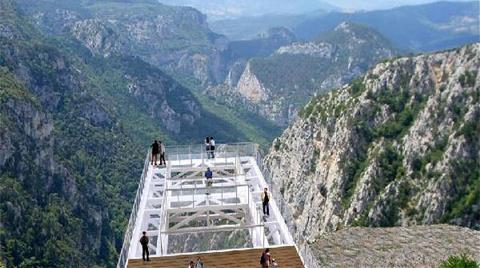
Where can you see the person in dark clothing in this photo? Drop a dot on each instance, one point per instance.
(208, 177)
(162, 153)
(212, 147)
(207, 146)
(265, 199)
(265, 259)
(155, 147)
(144, 242)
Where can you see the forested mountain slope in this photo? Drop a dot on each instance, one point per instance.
(276, 86)
(75, 127)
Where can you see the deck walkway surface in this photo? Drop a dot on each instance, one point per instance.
(243, 258)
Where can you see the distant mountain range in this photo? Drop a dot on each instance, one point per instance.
(418, 28)
(229, 9)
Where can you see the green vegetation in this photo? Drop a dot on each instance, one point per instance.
(11, 88)
(467, 79)
(244, 125)
(467, 184)
(459, 261)
(390, 163)
(356, 88)
(362, 220)
(355, 169)
(433, 156)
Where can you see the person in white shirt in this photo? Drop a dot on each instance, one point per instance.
(162, 154)
(207, 147)
(212, 147)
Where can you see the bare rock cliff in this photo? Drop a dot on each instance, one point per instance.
(399, 147)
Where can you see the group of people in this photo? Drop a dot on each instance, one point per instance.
(266, 260)
(197, 264)
(158, 153)
(210, 147)
(158, 149)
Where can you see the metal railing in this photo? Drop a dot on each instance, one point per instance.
(123, 257)
(304, 249)
(198, 151)
(187, 153)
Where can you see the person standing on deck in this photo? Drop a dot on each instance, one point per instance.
(212, 147)
(199, 263)
(155, 148)
(162, 153)
(208, 177)
(266, 259)
(144, 243)
(207, 146)
(265, 199)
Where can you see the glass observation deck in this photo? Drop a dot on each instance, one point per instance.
(183, 213)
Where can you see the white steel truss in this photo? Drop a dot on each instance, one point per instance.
(177, 201)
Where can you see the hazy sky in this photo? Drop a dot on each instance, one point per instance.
(377, 4)
(219, 9)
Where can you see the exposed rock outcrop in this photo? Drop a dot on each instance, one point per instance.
(250, 87)
(276, 86)
(399, 147)
(176, 39)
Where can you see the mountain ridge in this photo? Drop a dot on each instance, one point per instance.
(275, 86)
(394, 148)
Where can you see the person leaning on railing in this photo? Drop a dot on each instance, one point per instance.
(155, 148)
(162, 153)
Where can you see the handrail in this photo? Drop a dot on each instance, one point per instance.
(222, 150)
(123, 257)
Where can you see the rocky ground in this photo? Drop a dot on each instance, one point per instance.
(417, 246)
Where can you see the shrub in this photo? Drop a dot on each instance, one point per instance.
(467, 79)
(461, 261)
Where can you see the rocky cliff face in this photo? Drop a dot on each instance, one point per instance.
(250, 87)
(295, 72)
(398, 147)
(176, 39)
